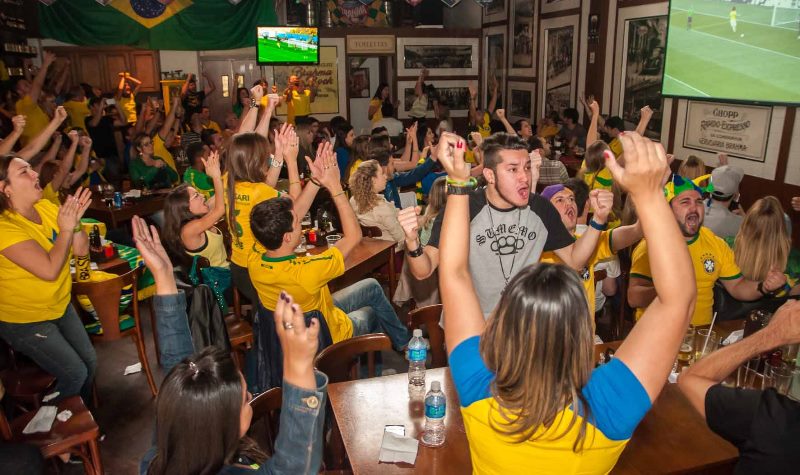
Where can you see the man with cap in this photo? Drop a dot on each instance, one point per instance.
(299, 98)
(719, 217)
(610, 241)
(711, 257)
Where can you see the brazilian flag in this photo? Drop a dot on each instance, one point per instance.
(157, 24)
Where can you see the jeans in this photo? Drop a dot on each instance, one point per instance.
(240, 278)
(61, 347)
(367, 306)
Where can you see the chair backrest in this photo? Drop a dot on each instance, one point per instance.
(600, 275)
(430, 316)
(266, 417)
(371, 231)
(340, 361)
(105, 297)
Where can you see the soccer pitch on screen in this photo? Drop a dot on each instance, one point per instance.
(755, 58)
(287, 45)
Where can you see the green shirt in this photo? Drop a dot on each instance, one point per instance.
(199, 181)
(152, 177)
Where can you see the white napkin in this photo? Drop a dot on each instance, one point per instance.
(396, 448)
(733, 337)
(133, 194)
(42, 421)
(134, 368)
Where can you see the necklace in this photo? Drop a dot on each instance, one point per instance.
(508, 276)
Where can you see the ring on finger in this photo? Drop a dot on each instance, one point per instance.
(288, 325)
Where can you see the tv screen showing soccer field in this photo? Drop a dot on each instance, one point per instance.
(287, 45)
(740, 50)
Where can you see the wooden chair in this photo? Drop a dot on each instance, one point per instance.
(430, 316)
(340, 361)
(240, 334)
(25, 384)
(77, 436)
(266, 416)
(105, 297)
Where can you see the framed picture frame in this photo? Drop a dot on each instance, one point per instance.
(495, 11)
(494, 67)
(454, 92)
(741, 131)
(558, 46)
(522, 38)
(441, 56)
(549, 6)
(521, 101)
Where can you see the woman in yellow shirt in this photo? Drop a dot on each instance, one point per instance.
(36, 317)
(381, 95)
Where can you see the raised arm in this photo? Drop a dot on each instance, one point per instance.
(287, 147)
(312, 88)
(185, 86)
(40, 141)
(473, 103)
(250, 116)
(501, 114)
(199, 226)
(576, 255)
(38, 81)
(644, 119)
(649, 350)
(420, 81)
(7, 145)
(210, 86)
(464, 318)
(66, 163)
(164, 131)
(748, 290)
(263, 124)
(86, 152)
(329, 177)
(493, 100)
(591, 134)
(51, 153)
(120, 87)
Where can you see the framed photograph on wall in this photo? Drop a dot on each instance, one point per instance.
(521, 101)
(559, 5)
(494, 68)
(496, 11)
(558, 71)
(643, 71)
(739, 130)
(522, 39)
(455, 93)
(441, 56)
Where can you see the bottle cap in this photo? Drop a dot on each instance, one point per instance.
(417, 333)
(436, 385)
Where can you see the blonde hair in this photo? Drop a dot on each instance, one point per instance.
(762, 242)
(692, 168)
(361, 186)
(437, 197)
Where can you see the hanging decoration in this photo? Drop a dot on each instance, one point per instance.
(484, 3)
(451, 3)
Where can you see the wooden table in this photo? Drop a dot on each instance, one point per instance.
(114, 217)
(671, 438)
(368, 255)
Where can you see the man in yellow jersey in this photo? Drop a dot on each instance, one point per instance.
(205, 119)
(77, 107)
(610, 241)
(711, 257)
(733, 19)
(299, 98)
(480, 118)
(274, 268)
(126, 97)
(28, 104)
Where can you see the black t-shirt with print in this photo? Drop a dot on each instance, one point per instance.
(193, 103)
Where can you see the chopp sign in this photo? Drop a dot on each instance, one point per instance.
(738, 130)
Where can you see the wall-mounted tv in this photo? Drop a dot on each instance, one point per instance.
(733, 51)
(287, 45)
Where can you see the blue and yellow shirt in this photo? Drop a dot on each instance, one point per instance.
(617, 403)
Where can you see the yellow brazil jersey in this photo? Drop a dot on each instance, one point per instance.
(733, 15)
(354, 166)
(712, 259)
(483, 128)
(160, 151)
(77, 112)
(27, 298)
(36, 119)
(299, 105)
(306, 279)
(616, 146)
(378, 115)
(213, 126)
(601, 253)
(51, 195)
(248, 195)
(128, 106)
(616, 399)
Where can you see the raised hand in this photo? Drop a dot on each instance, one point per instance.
(272, 100)
(325, 168)
(256, 93)
(281, 139)
(645, 165)
(19, 122)
(774, 281)
(411, 133)
(211, 165)
(74, 136)
(501, 114)
(85, 142)
(298, 341)
(291, 145)
(450, 153)
(594, 107)
(48, 58)
(796, 203)
(149, 245)
(723, 158)
(409, 221)
(473, 90)
(646, 112)
(536, 165)
(601, 202)
(61, 114)
(477, 138)
(71, 212)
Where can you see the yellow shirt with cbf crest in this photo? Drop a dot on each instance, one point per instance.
(248, 195)
(306, 279)
(712, 260)
(27, 298)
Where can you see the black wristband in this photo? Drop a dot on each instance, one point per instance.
(416, 252)
(763, 292)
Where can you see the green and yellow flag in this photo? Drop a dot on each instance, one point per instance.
(157, 24)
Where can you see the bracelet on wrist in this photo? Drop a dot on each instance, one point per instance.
(315, 181)
(416, 252)
(338, 194)
(598, 226)
(294, 183)
(471, 181)
(77, 228)
(252, 102)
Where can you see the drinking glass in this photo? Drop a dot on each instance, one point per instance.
(686, 352)
(778, 375)
(794, 385)
(333, 239)
(706, 342)
(747, 377)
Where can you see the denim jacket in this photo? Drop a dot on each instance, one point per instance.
(298, 448)
(411, 177)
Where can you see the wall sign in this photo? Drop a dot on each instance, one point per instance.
(370, 44)
(738, 130)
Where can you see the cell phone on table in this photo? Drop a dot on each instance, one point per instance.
(395, 429)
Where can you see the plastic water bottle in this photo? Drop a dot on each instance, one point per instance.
(417, 354)
(435, 408)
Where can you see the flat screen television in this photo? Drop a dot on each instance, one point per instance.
(282, 45)
(733, 51)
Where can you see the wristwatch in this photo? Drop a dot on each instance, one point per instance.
(275, 163)
(416, 252)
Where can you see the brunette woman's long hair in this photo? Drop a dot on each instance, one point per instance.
(763, 242)
(361, 147)
(197, 417)
(176, 215)
(539, 343)
(247, 160)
